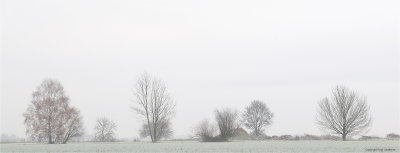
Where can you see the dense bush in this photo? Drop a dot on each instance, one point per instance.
(364, 137)
(392, 136)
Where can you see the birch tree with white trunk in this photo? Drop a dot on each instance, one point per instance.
(49, 117)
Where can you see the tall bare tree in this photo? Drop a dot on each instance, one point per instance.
(155, 105)
(49, 117)
(205, 130)
(228, 122)
(105, 130)
(256, 117)
(345, 112)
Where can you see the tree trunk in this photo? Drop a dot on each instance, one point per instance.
(344, 137)
(49, 134)
(344, 133)
(155, 132)
(49, 126)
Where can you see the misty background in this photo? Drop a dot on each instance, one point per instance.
(211, 54)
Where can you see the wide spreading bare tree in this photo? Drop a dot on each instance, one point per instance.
(256, 117)
(49, 117)
(345, 112)
(228, 121)
(155, 105)
(205, 130)
(105, 130)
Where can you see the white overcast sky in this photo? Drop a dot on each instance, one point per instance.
(210, 53)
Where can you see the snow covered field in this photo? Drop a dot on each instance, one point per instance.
(193, 146)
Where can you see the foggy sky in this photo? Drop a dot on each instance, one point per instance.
(211, 54)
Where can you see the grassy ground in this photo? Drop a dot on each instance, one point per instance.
(193, 146)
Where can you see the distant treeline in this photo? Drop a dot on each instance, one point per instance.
(50, 118)
(391, 136)
(5, 138)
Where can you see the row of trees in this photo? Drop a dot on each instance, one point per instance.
(345, 112)
(256, 117)
(50, 118)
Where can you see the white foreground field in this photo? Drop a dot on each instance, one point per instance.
(192, 146)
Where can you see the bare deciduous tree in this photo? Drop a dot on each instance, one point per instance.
(105, 130)
(205, 130)
(256, 117)
(50, 117)
(345, 113)
(227, 120)
(155, 105)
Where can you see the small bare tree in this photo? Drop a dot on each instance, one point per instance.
(256, 117)
(155, 105)
(228, 122)
(205, 130)
(105, 130)
(345, 113)
(50, 117)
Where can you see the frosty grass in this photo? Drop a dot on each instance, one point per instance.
(193, 146)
